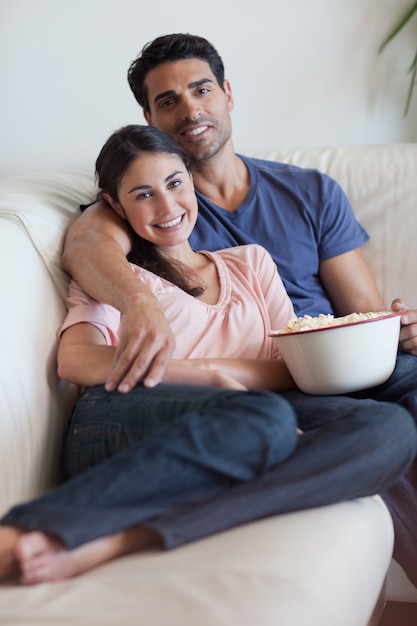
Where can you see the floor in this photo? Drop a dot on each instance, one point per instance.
(399, 614)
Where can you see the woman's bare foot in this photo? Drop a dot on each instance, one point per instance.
(43, 558)
(8, 540)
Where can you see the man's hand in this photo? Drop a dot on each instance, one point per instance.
(146, 344)
(95, 252)
(408, 334)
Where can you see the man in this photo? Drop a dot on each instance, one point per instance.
(301, 216)
(189, 98)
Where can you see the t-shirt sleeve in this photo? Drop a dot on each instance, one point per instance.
(82, 308)
(340, 230)
(278, 304)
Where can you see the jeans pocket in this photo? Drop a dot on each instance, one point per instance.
(90, 443)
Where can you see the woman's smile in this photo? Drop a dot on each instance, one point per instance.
(170, 224)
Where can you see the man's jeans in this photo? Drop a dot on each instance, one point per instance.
(401, 499)
(190, 461)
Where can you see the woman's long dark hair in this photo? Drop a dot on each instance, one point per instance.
(122, 147)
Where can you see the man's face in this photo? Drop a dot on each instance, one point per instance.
(186, 101)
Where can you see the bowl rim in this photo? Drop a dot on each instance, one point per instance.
(308, 331)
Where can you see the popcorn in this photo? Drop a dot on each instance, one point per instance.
(301, 324)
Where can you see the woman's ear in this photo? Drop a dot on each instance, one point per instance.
(114, 205)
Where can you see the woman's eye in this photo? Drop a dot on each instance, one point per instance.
(143, 196)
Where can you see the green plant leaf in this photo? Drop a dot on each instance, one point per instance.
(413, 67)
(399, 26)
(413, 70)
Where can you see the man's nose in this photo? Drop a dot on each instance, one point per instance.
(190, 109)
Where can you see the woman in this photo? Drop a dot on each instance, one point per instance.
(195, 446)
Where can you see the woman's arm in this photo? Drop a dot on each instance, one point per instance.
(268, 374)
(95, 255)
(85, 359)
(83, 356)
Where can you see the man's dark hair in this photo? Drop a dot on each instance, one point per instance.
(171, 48)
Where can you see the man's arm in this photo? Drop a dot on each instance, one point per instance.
(351, 287)
(95, 255)
(85, 359)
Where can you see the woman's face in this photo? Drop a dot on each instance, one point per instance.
(156, 196)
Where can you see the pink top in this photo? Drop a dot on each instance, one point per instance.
(252, 301)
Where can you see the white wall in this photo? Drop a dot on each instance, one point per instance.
(303, 72)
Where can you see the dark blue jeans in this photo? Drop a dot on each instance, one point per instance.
(401, 499)
(190, 461)
(163, 446)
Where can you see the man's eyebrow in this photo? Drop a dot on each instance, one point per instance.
(167, 180)
(172, 92)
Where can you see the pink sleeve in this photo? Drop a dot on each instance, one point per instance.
(278, 303)
(82, 308)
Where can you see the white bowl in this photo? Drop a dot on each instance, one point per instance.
(343, 358)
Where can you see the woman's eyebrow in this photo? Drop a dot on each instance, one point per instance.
(166, 180)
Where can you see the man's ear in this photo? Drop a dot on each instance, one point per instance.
(148, 118)
(115, 206)
(228, 91)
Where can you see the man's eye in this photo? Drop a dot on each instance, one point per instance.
(203, 90)
(167, 103)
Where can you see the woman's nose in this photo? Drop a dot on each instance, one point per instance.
(165, 203)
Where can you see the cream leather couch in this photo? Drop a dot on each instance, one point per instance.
(324, 567)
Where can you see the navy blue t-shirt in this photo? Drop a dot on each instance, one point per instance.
(301, 216)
